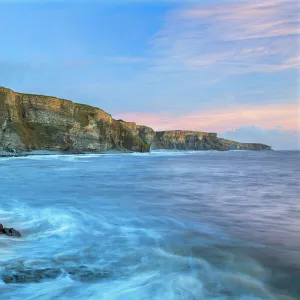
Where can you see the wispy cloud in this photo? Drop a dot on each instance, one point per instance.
(248, 19)
(243, 36)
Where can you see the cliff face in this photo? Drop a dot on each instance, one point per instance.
(186, 140)
(193, 140)
(232, 145)
(147, 134)
(35, 122)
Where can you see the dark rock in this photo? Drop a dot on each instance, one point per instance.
(1, 227)
(10, 231)
(29, 275)
(82, 273)
(85, 274)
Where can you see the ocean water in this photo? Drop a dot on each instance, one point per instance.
(164, 225)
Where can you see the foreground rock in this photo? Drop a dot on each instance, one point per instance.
(29, 275)
(81, 273)
(85, 274)
(9, 231)
(30, 123)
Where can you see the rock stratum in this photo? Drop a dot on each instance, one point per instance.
(30, 123)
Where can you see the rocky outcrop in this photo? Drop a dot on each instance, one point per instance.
(9, 231)
(30, 123)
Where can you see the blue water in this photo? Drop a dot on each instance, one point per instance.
(165, 225)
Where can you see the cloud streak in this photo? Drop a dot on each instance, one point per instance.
(221, 120)
(248, 20)
(246, 35)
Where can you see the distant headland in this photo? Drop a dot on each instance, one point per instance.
(35, 123)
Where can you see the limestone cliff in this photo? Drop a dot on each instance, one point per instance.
(193, 140)
(35, 122)
(147, 134)
(232, 145)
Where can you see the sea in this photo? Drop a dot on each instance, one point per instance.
(162, 225)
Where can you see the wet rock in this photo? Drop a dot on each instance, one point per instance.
(9, 231)
(30, 275)
(85, 274)
(26, 275)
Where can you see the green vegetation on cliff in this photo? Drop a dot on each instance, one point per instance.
(36, 122)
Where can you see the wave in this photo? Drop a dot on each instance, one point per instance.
(70, 250)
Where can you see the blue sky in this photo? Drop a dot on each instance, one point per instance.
(230, 67)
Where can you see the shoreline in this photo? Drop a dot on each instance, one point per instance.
(61, 153)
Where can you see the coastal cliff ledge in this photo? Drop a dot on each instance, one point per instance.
(31, 123)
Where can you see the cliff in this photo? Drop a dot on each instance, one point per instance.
(35, 122)
(232, 145)
(193, 140)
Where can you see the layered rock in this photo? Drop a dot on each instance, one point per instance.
(147, 134)
(35, 122)
(194, 140)
(232, 145)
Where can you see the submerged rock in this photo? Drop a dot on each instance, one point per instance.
(26, 275)
(9, 231)
(85, 274)
(30, 275)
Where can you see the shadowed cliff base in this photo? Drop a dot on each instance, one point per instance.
(30, 123)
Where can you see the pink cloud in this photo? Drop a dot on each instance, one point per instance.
(250, 36)
(250, 20)
(268, 116)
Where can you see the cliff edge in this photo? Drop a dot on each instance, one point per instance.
(35, 122)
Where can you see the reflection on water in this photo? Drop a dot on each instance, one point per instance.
(165, 225)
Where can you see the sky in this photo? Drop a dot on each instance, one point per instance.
(230, 67)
